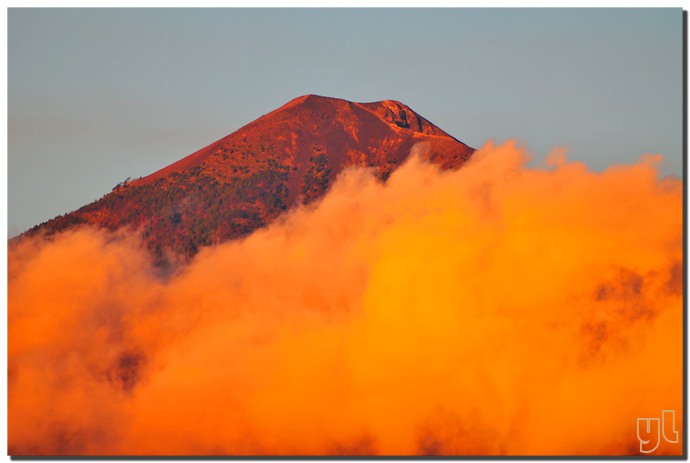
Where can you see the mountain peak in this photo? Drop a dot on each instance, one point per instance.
(390, 111)
(246, 179)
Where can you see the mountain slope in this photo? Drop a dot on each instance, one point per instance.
(246, 179)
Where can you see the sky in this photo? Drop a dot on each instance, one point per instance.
(99, 95)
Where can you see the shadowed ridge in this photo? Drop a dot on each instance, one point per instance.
(399, 114)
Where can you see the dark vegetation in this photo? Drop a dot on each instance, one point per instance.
(315, 178)
(188, 209)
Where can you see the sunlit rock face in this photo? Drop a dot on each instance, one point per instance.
(246, 180)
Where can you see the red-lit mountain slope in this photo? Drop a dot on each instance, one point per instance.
(245, 180)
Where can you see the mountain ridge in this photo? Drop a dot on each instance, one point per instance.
(244, 180)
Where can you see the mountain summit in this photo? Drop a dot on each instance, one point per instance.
(246, 179)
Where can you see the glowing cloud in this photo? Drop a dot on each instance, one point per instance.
(496, 309)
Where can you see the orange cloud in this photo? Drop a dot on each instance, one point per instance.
(492, 310)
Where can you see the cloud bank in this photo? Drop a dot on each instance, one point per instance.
(496, 309)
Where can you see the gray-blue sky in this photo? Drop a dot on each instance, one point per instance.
(98, 95)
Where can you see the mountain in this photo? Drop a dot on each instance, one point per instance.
(246, 179)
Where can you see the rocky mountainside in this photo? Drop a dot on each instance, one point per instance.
(246, 179)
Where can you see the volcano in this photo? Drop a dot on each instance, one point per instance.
(247, 179)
